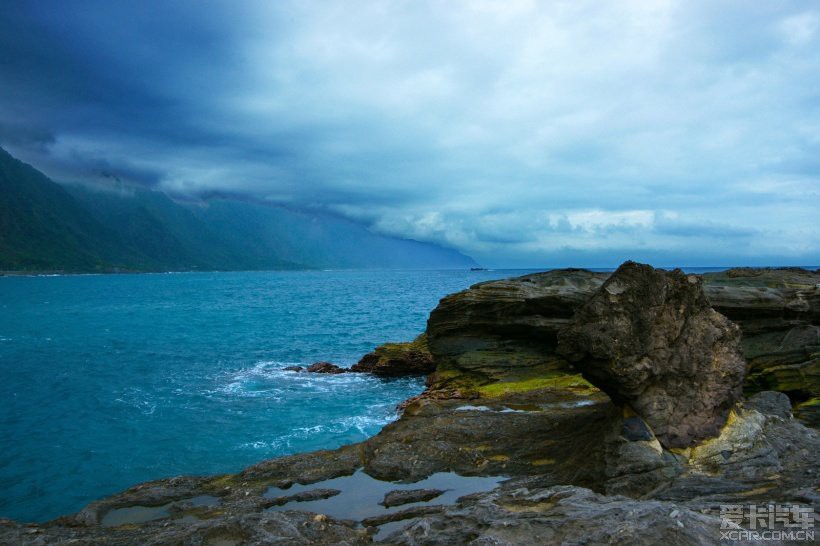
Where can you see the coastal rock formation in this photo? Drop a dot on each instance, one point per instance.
(650, 340)
(506, 331)
(398, 359)
(779, 313)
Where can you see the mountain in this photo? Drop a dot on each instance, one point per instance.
(320, 240)
(166, 235)
(43, 227)
(48, 226)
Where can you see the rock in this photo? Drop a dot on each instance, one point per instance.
(406, 496)
(294, 368)
(650, 340)
(398, 359)
(506, 329)
(762, 455)
(325, 367)
(560, 515)
(401, 515)
(310, 495)
(636, 463)
(634, 429)
(247, 528)
(779, 313)
(809, 412)
(546, 432)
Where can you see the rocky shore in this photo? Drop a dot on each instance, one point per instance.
(561, 407)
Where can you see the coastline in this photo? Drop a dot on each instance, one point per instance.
(510, 407)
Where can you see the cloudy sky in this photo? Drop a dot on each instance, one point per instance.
(544, 133)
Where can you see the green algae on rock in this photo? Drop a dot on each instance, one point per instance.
(398, 359)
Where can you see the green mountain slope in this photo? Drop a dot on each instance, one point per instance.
(168, 235)
(47, 226)
(43, 228)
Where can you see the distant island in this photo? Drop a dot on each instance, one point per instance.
(45, 226)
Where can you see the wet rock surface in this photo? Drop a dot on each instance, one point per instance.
(399, 497)
(567, 464)
(650, 340)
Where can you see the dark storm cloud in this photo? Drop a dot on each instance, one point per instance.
(523, 133)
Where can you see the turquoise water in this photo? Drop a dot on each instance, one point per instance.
(108, 381)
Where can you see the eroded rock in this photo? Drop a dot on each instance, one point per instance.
(650, 340)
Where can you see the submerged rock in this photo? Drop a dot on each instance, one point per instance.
(398, 359)
(650, 340)
(325, 367)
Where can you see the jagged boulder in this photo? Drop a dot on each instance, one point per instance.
(651, 341)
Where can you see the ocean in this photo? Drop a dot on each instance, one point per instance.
(111, 380)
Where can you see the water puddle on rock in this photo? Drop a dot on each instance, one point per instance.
(142, 514)
(528, 408)
(360, 496)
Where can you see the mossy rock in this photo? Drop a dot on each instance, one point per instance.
(398, 359)
(557, 381)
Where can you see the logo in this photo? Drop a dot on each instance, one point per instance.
(766, 522)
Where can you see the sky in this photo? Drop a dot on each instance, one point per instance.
(523, 133)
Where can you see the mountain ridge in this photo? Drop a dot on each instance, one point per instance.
(48, 226)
